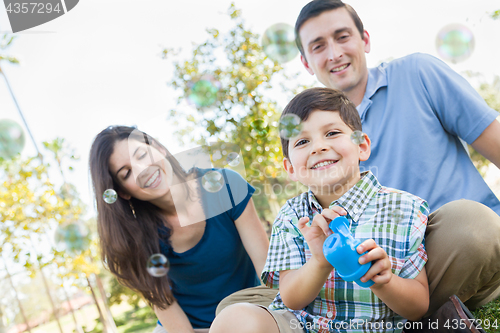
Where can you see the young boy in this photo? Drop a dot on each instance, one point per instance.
(312, 297)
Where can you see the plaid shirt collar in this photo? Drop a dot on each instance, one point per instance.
(355, 200)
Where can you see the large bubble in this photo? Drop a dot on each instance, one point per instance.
(289, 126)
(278, 42)
(455, 43)
(11, 138)
(203, 92)
(158, 265)
(73, 237)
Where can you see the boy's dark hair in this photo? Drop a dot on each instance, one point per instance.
(322, 99)
(315, 8)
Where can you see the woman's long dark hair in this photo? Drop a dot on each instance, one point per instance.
(127, 242)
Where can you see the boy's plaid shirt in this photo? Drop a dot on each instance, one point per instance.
(395, 219)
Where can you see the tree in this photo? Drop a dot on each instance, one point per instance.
(230, 80)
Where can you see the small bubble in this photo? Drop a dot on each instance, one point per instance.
(217, 155)
(212, 181)
(396, 215)
(289, 126)
(110, 196)
(357, 137)
(158, 265)
(278, 42)
(233, 159)
(259, 129)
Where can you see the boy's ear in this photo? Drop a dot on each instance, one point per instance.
(289, 169)
(365, 148)
(123, 195)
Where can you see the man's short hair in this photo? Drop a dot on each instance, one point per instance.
(315, 8)
(322, 99)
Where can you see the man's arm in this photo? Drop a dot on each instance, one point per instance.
(488, 143)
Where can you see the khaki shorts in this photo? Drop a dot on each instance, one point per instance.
(262, 296)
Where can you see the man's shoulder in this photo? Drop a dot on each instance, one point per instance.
(416, 61)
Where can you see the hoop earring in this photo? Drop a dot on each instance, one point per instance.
(132, 208)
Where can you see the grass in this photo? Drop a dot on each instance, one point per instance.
(490, 312)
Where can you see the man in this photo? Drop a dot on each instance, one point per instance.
(418, 112)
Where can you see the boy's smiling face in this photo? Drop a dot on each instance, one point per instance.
(323, 156)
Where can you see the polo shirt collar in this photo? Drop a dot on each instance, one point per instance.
(377, 78)
(356, 199)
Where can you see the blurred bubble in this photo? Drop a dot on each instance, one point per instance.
(278, 42)
(455, 43)
(212, 181)
(203, 92)
(259, 129)
(110, 196)
(11, 138)
(289, 126)
(357, 137)
(73, 237)
(158, 265)
(233, 159)
(217, 155)
(396, 215)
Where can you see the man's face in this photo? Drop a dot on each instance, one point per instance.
(335, 51)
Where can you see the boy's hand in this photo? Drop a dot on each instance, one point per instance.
(380, 272)
(316, 234)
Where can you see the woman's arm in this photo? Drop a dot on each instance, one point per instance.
(253, 236)
(173, 319)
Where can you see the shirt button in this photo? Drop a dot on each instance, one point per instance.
(329, 314)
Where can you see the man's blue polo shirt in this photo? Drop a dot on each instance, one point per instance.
(414, 110)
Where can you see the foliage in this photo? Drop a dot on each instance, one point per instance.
(5, 42)
(496, 15)
(242, 112)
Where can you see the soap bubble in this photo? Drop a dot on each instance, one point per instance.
(212, 181)
(158, 265)
(11, 138)
(259, 129)
(203, 92)
(110, 196)
(358, 137)
(455, 43)
(233, 159)
(396, 215)
(289, 126)
(278, 42)
(72, 237)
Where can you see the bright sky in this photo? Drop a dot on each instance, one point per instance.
(100, 65)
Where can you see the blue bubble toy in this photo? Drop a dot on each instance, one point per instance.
(340, 251)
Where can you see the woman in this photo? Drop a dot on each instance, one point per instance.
(213, 249)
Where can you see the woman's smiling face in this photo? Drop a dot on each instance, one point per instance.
(140, 169)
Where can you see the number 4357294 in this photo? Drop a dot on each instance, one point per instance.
(33, 7)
